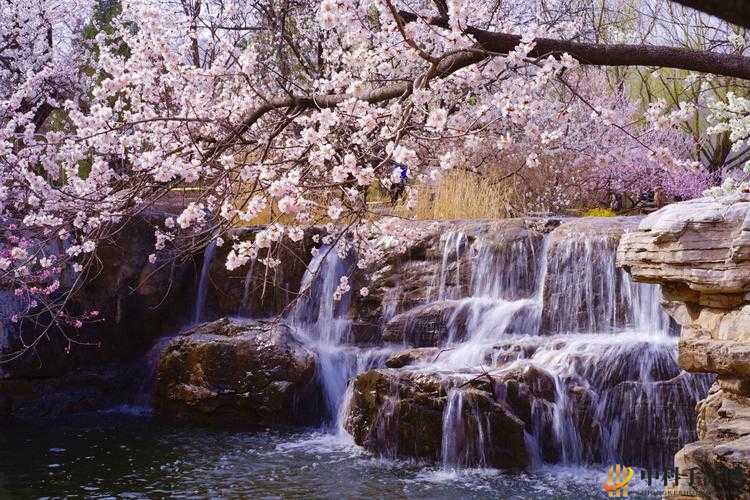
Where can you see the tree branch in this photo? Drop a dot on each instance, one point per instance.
(598, 54)
(490, 43)
(732, 11)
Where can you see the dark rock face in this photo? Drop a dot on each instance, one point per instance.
(137, 302)
(254, 290)
(81, 391)
(227, 372)
(400, 413)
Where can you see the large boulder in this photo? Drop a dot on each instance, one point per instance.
(699, 251)
(235, 372)
(462, 419)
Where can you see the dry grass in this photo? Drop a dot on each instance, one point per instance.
(460, 195)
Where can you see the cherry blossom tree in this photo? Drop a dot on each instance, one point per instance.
(293, 108)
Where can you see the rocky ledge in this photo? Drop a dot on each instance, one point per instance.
(401, 413)
(250, 373)
(699, 251)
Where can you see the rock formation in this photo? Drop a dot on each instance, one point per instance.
(137, 303)
(699, 251)
(401, 413)
(235, 372)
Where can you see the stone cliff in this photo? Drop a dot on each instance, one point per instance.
(699, 251)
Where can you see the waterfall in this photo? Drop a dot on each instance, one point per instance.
(557, 306)
(506, 297)
(321, 318)
(564, 307)
(200, 296)
(245, 308)
(588, 293)
(324, 324)
(453, 245)
(465, 431)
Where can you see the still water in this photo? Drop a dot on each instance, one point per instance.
(130, 456)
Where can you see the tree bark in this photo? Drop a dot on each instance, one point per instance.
(732, 11)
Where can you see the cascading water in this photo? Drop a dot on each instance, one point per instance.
(202, 291)
(619, 393)
(555, 305)
(453, 246)
(323, 322)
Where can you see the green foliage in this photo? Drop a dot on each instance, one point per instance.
(105, 13)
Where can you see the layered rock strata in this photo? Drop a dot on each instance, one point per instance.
(699, 251)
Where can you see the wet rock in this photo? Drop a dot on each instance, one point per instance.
(526, 381)
(249, 373)
(415, 356)
(80, 391)
(424, 326)
(401, 413)
(362, 333)
(453, 321)
(507, 352)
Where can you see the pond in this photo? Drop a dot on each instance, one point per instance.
(134, 456)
